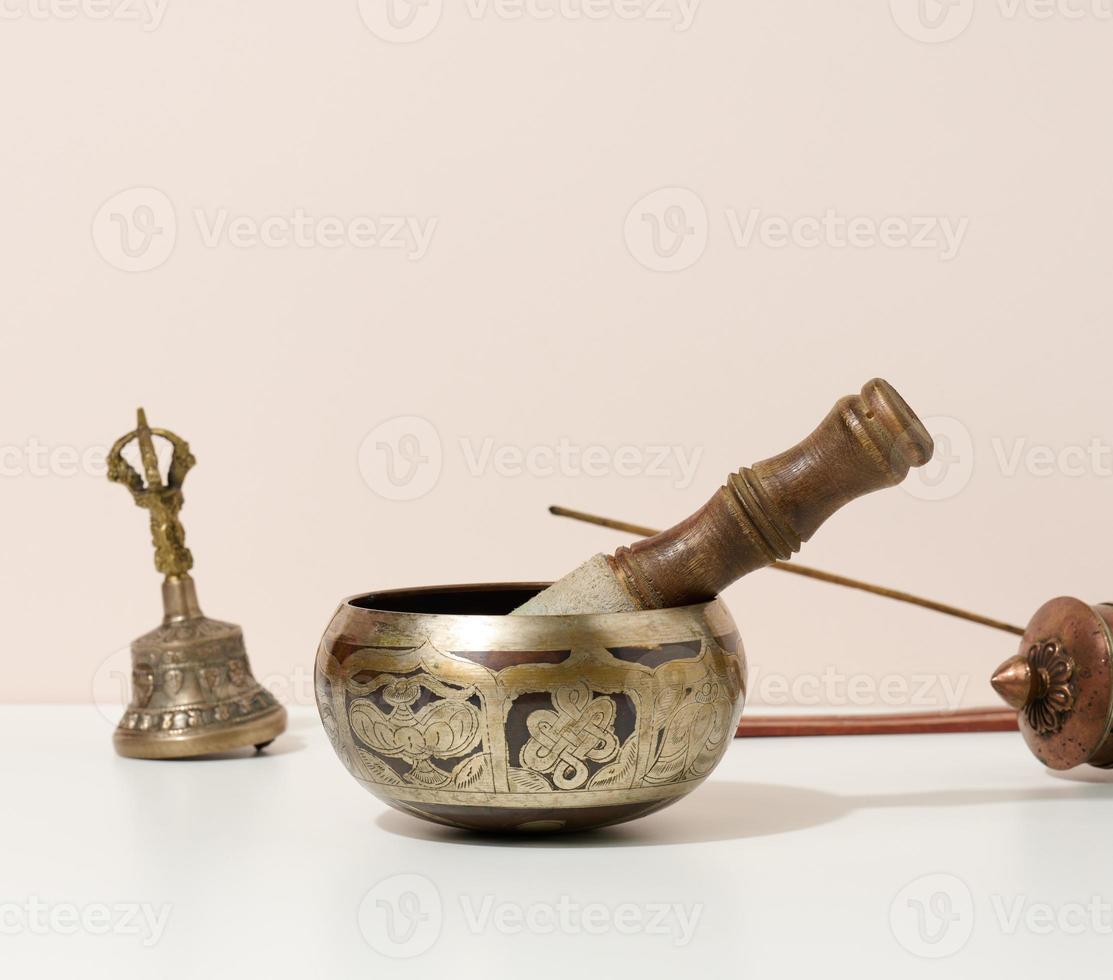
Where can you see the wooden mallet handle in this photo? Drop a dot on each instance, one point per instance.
(763, 514)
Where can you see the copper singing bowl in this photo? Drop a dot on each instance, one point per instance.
(447, 708)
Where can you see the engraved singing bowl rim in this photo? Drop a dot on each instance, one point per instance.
(650, 707)
(526, 590)
(548, 630)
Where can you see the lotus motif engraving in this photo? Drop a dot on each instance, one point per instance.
(442, 729)
(1051, 696)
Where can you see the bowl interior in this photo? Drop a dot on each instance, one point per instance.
(452, 600)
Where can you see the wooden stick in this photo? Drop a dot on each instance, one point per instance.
(907, 723)
(813, 573)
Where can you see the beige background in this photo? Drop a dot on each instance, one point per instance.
(528, 145)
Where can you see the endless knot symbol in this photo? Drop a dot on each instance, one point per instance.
(562, 741)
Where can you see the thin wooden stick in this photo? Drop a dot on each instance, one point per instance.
(814, 573)
(905, 723)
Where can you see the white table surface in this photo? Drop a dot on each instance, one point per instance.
(797, 856)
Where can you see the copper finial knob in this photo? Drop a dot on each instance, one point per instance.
(1013, 681)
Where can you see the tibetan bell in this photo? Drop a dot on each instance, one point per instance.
(1061, 685)
(193, 692)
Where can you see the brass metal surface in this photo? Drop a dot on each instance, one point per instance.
(163, 499)
(193, 692)
(445, 707)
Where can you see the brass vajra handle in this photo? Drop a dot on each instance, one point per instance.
(162, 498)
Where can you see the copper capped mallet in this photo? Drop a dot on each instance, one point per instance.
(193, 692)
